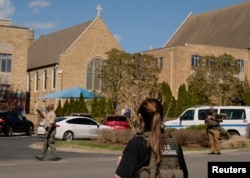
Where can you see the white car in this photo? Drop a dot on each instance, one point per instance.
(77, 127)
(41, 128)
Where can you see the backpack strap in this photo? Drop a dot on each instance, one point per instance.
(152, 170)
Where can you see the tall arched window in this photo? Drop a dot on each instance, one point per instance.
(93, 82)
(53, 81)
(36, 81)
(45, 80)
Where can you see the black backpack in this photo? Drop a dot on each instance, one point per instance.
(169, 168)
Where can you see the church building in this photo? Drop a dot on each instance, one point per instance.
(213, 33)
(68, 58)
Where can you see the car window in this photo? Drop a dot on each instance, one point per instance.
(188, 115)
(117, 118)
(233, 114)
(74, 121)
(203, 113)
(15, 116)
(110, 119)
(122, 119)
(89, 122)
(82, 121)
(59, 119)
(2, 114)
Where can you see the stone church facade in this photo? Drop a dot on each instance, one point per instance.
(70, 57)
(176, 62)
(14, 44)
(213, 33)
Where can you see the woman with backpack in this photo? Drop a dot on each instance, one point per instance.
(137, 153)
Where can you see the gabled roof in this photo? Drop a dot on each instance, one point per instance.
(226, 27)
(46, 50)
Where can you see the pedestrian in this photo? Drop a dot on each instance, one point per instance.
(50, 132)
(138, 151)
(213, 130)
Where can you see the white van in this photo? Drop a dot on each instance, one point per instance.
(235, 122)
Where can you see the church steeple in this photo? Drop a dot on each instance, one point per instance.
(98, 10)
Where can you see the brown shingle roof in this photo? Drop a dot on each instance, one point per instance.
(226, 27)
(46, 50)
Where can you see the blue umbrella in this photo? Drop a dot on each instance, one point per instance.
(69, 93)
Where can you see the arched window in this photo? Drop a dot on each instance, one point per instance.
(53, 81)
(36, 81)
(93, 82)
(45, 80)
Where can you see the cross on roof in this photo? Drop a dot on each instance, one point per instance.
(98, 10)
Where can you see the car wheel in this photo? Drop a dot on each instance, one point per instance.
(68, 136)
(9, 131)
(233, 133)
(30, 130)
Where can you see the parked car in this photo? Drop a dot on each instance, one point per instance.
(117, 121)
(235, 120)
(41, 129)
(77, 127)
(11, 122)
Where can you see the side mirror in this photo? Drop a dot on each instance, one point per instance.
(181, 118)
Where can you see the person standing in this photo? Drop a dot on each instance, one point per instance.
(213, 130)
(138, 151)
(50, 132)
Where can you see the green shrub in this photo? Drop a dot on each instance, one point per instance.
(116, 136)
(193, 136)
(198, 127)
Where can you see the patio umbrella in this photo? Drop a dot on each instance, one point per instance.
(68, 93)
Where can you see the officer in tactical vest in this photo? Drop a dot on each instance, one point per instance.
(139, 151)
(213, 130)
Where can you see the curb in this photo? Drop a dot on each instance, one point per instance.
(101, 151)
(222, 151)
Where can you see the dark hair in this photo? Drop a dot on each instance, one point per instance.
(211, 111)
(151, 111)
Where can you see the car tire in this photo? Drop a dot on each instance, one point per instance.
(68, 136)
(234, 133)
(30, 130)
(9, 131)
